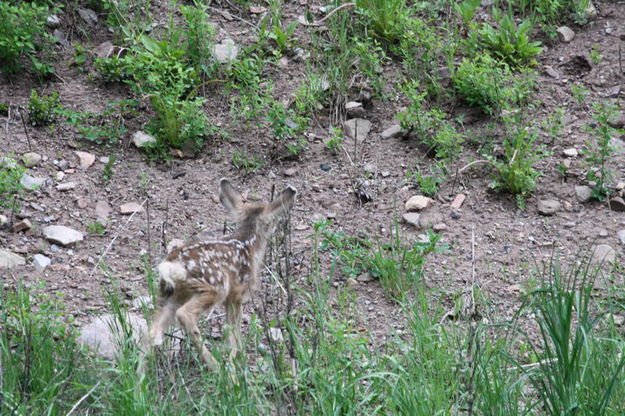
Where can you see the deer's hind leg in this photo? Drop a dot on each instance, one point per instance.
(163, 318)
(188, 315)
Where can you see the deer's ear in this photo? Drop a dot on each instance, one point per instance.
(229, 197)
(284, 202)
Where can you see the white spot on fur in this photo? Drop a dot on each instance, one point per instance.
(171, 271)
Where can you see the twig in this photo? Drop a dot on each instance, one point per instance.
(319, 22)
(105, 252)
(233, 15)
(82, 399)
(30, 147)
(475, 162)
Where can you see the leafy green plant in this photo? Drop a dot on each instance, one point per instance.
(507, 42)
(334, 143)
(42, 110)
(466, 10)
(10, 187)
(96, 228)
(283, 37)
(598, 154)
(579, 93)
(491, 85)
(430, 126)
(199, 38)
(105, 128)
(246, 163)
(516, 173)
(595, 54)
(111, 69)
(107, 172)
(387, 18)
(80, 57)
(428, 184)
(23, 38)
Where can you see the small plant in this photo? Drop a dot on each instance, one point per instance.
(96, 228)
(387, 18)
(107, 172)
(333, 144)
(507, 42)
(491, 85)
(579, 93)
(554, 124)
(598, 155)
(105, 128)
(246, 163)
(428, 184)
(10, 187)
(80, 57)
(516, 173)
(200, 35)
(466, 10)
(42, 110)
(111, 69)
(23, 38)
(595, 54)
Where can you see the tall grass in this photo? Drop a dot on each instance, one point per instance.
(328, 364)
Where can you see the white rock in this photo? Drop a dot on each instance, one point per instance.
(7, 162)
(62, 235)
(357, 128)
(105, 333)
(392, 132)
(226, 51)
(412, 218)
(102, 211)
(31, 159)
(276, 335)
(140, 139)
(130, 208)
(41, 262)
(621, 236)
(603, 254)
(548, 206)
(86, 159)
(89, 16)
(66, 186)
(584, 193)
(32, 182)
(9, 259)
(571, 152)
(418, 203)
(565, 34)
(53, 21)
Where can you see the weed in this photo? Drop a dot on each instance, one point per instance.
(387, 18)
(598, 155)
(507, 42)
(80, 57)
(199, 34)
(42, 110)
(10, 187)
(334, 143)
(242, 161)
(579, 93)
(111, 69)
(105, 128)
(554, 124)
(466, 10)
(107, 172)
(96, 228)
(23, 36)
(428, 184)
(595, 54)
(491, 85)
(4, 109)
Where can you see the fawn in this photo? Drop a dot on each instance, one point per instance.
(200, 275)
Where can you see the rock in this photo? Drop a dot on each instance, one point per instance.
(569, 224)
(325, 167)
(458, 201)
(31, 159)
(7, 162)
(8, 259)
(290, 172)
(60, 37)
(392, 132)
(62, 164)
(571, 152)
(104, 160)
(617, 145)
(412, 218)
(89, 16)
(548, 206)
(613, 92)
(621, 237)
(22, 226)
(357, 128)
(365, 278)
(618, 319)
(620, 185)
(66, 186)
(130, 208)
(617, 121)
(104, 334)
(617, 204)
(62, 235)
(428, 219)
(418, 203)
(226, 51)
(82, 202)
(141, 139)
(370, 168)
(276, 335)
(355, 109)
(86, 159)
(3, 220)
(439, 227)
(102, 211)
(302, 55)
(53, 21)
(352, 283)
(552, 72)
(31, 182)
(565, 34)
(591, 11)
(103, 50)
(603, 254)
(584, 193)
(41, 262)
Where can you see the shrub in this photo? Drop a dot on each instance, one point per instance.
(42, 110)
(10, 187)
(23, 38)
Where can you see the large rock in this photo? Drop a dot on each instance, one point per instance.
(583, 192)
(89, 16)
(357, 128)
(105, 334)
(62, 235)
(32, 182)
(392, 132)
(548, 206)
(226, 51)
(412, 218)
(31, 159)
(86, 159)
(603, 254)
(102, 211)
(8, 259)
(565, 34)
(418, 203)
(41, 262)
(141, 139)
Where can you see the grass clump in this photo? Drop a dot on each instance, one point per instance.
(10, 186)
(43, 110)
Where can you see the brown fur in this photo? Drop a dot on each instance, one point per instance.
(200, 275)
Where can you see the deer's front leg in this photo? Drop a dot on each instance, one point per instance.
(233, 318)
